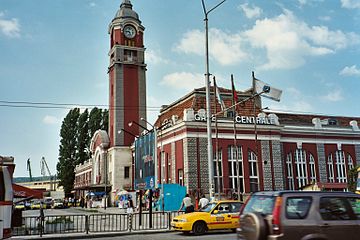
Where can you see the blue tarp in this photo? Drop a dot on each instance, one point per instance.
(98, 194)
(174, 194)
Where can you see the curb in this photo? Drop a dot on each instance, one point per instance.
(90, 235)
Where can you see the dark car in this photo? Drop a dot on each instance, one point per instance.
(300, 215)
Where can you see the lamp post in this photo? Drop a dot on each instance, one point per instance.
(137, 124)
(208, 109)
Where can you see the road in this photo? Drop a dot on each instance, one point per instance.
(173, 236)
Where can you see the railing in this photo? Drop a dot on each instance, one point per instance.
(93, 223)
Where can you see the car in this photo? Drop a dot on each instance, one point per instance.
(35, 204)
(219, 215)
(20, 205)
(303, 215)
(48, 202)
(58, 203)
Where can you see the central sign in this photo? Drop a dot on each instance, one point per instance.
(242, 119)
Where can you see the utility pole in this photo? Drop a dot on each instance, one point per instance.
(208, 106)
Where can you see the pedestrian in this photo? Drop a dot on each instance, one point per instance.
(130, 205)
(187, 203)
(203, 201)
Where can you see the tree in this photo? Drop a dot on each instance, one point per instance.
(76, 132)
(67, 151)
(352, 178)
(95, 119)
(83, 138)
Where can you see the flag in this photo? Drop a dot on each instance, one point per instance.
(273, 94)
(218, 96)
(234, 93)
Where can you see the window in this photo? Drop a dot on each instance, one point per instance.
(312, 168)
(300, 167)
(335, 208)
(355, 205)
(350, 162)
(234, 157)
(126, 172)
(340, 166)
(297, 207)
(218, 174)
(289, 172)
(181, 177)
(330, 167)
(253, 172)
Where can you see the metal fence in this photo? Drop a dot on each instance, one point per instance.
(92, 223)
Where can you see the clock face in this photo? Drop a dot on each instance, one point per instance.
(129, 31)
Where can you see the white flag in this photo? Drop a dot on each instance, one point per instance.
(218, 97)
(273, 94)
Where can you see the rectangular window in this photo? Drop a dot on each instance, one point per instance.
(181, 177)
(126, 172)
(335, 209)
(298, 207)
(235, 157)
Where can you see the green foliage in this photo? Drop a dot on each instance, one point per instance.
(352, 178)
(76, 132)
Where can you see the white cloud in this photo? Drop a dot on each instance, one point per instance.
(183, 80)
(333, 96)
(350, 71)
(288, 41)
(250, 11)
(9, 27)
(153, 57)
(51, 120)
(224, 48)
(325, 18)
(350, 4)
(92, 4)
(304, 2)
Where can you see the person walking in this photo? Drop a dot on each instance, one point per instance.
(203, 201)
(187, 203)
(130, 205)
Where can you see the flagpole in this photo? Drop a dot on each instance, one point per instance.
(235, 140)
(217, 140)
(255, 128)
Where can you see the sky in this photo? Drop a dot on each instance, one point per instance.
(54, 56)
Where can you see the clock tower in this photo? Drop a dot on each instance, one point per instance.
(127, 83)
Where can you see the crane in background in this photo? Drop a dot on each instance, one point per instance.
(29, 169)
(44, 167)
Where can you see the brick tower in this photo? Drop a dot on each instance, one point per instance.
(127, 82)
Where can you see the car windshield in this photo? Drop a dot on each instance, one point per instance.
(261, 204)
(208, 207)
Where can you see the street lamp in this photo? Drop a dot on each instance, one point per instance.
(137, 124)
(123, 130)
(208, 109)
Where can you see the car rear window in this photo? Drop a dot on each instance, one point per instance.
(297, 207)
(261, 204)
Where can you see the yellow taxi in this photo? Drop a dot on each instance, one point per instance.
(219, 215)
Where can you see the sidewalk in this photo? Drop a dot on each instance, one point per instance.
(90, 235)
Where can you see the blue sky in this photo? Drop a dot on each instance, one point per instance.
(56, 52)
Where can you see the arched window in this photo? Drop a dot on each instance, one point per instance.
(289, 172)
(220, 170)
(340, 166)
(300, 167)
(350, 162)
(312, 168)
(253, 171)
(235, 156)
(330, 166)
